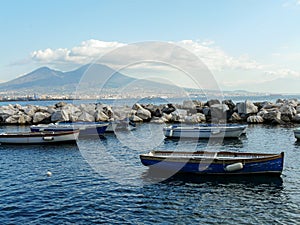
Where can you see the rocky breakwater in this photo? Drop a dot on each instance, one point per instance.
(212, 111)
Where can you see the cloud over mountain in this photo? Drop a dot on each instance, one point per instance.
(230, 71)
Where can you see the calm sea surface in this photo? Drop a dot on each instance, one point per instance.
(101, 180)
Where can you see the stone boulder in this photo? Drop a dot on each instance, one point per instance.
(39, 117)
(42, 109)
(296, 118)
(144, 114)
(86, 117)
(6, 112)
(246, 107)
(121, 113)
(197, 118)
(73, 117)
(89, 108)
(135, 118)
(169, 108)
(288, 110)
(12, 119)
(235, 117)
(229, 103)
(218, 112)
(108, 111)
(279, 101)
(177, 116)
(60, 104)
(269, 105)
(255, 119)
(206, 111)
(60, 115)
(158, 120)
(271, 116)
(100, 116)
(212, 102)
(187, 104)
(51, 109)
(292, 102)
(30, 110)
(167, 117)
(25, 119)
(157, 113)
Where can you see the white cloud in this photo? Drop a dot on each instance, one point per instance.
(229, 70)
(82, 54)
(291, 3)
(216, 59)
(87, 51)
(48, 55)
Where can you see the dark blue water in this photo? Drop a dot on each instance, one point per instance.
(103, 181)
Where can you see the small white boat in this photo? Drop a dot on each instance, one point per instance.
(86, 128)
(297, 133)
(39, 137)
(205, 131)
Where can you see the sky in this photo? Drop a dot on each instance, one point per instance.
(248, 45)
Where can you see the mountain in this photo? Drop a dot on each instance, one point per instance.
(46, 80)
(282, 85)
(87, 79)
(40, 77)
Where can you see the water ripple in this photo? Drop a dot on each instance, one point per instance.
(76, 194)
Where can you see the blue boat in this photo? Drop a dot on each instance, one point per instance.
(85, 128)
(215, 163)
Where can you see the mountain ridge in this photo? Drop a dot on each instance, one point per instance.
(86, 78)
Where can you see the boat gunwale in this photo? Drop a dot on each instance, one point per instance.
(38, 134)
(197, 159)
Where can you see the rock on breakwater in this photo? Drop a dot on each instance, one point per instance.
(282, 111)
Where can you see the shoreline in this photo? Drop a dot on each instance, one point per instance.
(280, 112)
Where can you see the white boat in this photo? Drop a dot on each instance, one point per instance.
(205, 131)
(86, 128)
(39, 137)
(297, 133)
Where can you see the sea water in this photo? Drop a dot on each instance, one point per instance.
(101, 180)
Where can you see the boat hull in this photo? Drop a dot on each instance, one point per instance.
(297, 134)
(122, 125)
(39, 137)
(85, 128)
(203, 132)
(239, 165)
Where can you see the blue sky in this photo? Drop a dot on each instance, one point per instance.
(250, 42)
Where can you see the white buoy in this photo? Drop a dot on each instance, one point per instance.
(49, 174)
(234, 167)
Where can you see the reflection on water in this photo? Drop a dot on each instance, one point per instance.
(124, 191)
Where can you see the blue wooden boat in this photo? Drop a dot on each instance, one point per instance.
(85, 128)
(215, 163)
(205, 131)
